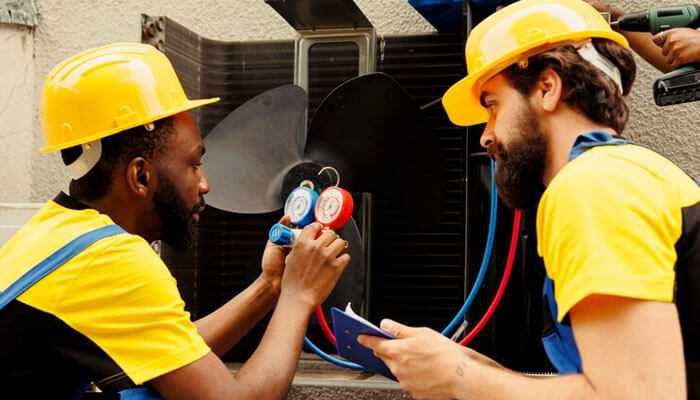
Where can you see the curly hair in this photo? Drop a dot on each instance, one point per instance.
(116, 150)
(586, 88)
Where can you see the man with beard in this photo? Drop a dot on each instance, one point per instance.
(618, 225)
(85, 298)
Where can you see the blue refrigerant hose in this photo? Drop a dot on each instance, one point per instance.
(486, 259)
(333, 360)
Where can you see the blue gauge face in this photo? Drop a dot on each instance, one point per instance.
(300, 206)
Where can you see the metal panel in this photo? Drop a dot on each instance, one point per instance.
(419, 273)
(362, 43)
(18, 12)
(312, 15)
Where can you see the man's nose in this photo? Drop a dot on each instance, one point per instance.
(204, 184)
(487, 137)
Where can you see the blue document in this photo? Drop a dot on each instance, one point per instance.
(347, 326)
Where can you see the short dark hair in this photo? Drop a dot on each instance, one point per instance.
(116, 150)
(586, 88)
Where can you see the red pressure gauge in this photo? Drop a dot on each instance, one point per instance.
(334, 207)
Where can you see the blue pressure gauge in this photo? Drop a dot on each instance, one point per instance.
(300, 206)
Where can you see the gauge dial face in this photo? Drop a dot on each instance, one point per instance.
(299, 204)
(329, 206)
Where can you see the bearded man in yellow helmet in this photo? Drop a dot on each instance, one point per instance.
(85, 298)
(618, 225)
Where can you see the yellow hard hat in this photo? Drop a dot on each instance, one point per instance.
(106, 90)
(514, 33)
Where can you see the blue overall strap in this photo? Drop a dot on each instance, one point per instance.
(139, 393)
(593, 139)
(55, 260)
(560, 344)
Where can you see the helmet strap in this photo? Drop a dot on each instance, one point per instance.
(589, 53)
(90, 155)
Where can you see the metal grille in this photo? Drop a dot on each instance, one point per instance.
(418, 274)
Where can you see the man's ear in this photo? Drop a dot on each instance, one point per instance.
(140, 176)
(549, 90)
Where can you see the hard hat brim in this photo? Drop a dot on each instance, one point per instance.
(462, 104)
(189, 105)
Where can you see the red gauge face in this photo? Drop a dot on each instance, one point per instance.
(334, 207)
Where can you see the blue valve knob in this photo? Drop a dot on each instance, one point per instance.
(283, 235)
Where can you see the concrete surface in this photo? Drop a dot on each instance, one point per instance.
(318, 380)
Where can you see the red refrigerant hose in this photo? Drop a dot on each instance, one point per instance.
(504, 280)
(512, 251)
(324, 325)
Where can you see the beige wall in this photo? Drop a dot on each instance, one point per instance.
(68, 27)
(673, 131)
(16, 111)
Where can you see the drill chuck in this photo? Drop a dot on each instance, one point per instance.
(634, 22)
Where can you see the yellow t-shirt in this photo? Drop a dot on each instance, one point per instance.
(609, 222)
(117, 292)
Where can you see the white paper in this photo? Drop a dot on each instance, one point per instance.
(351, 313)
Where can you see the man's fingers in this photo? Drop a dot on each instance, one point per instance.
(310, 232)
(342, 262)
(660, 39)
(667, 48)
(371, 342)
(673, 62)
(337, 247)
(327, 237)
(396, 329)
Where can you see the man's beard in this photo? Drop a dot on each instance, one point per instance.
(520, 167)
(176, 218)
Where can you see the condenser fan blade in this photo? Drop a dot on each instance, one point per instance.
(351, 286)
(371, 130)
(249, 152)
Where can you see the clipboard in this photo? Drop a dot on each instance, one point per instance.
(347, 326)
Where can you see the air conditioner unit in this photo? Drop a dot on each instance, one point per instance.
(419, 276)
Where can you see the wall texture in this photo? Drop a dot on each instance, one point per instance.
(672, 131)
(68, 27)
(16, 111)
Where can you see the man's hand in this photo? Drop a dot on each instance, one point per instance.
(680, 46)
(427, 364)
(273, 261)
(314, 265)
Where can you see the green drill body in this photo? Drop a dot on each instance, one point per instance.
(683, 84)
(658, 19)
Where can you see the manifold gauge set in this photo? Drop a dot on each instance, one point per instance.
(332, 208)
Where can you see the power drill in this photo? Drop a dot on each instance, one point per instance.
(683, 84)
